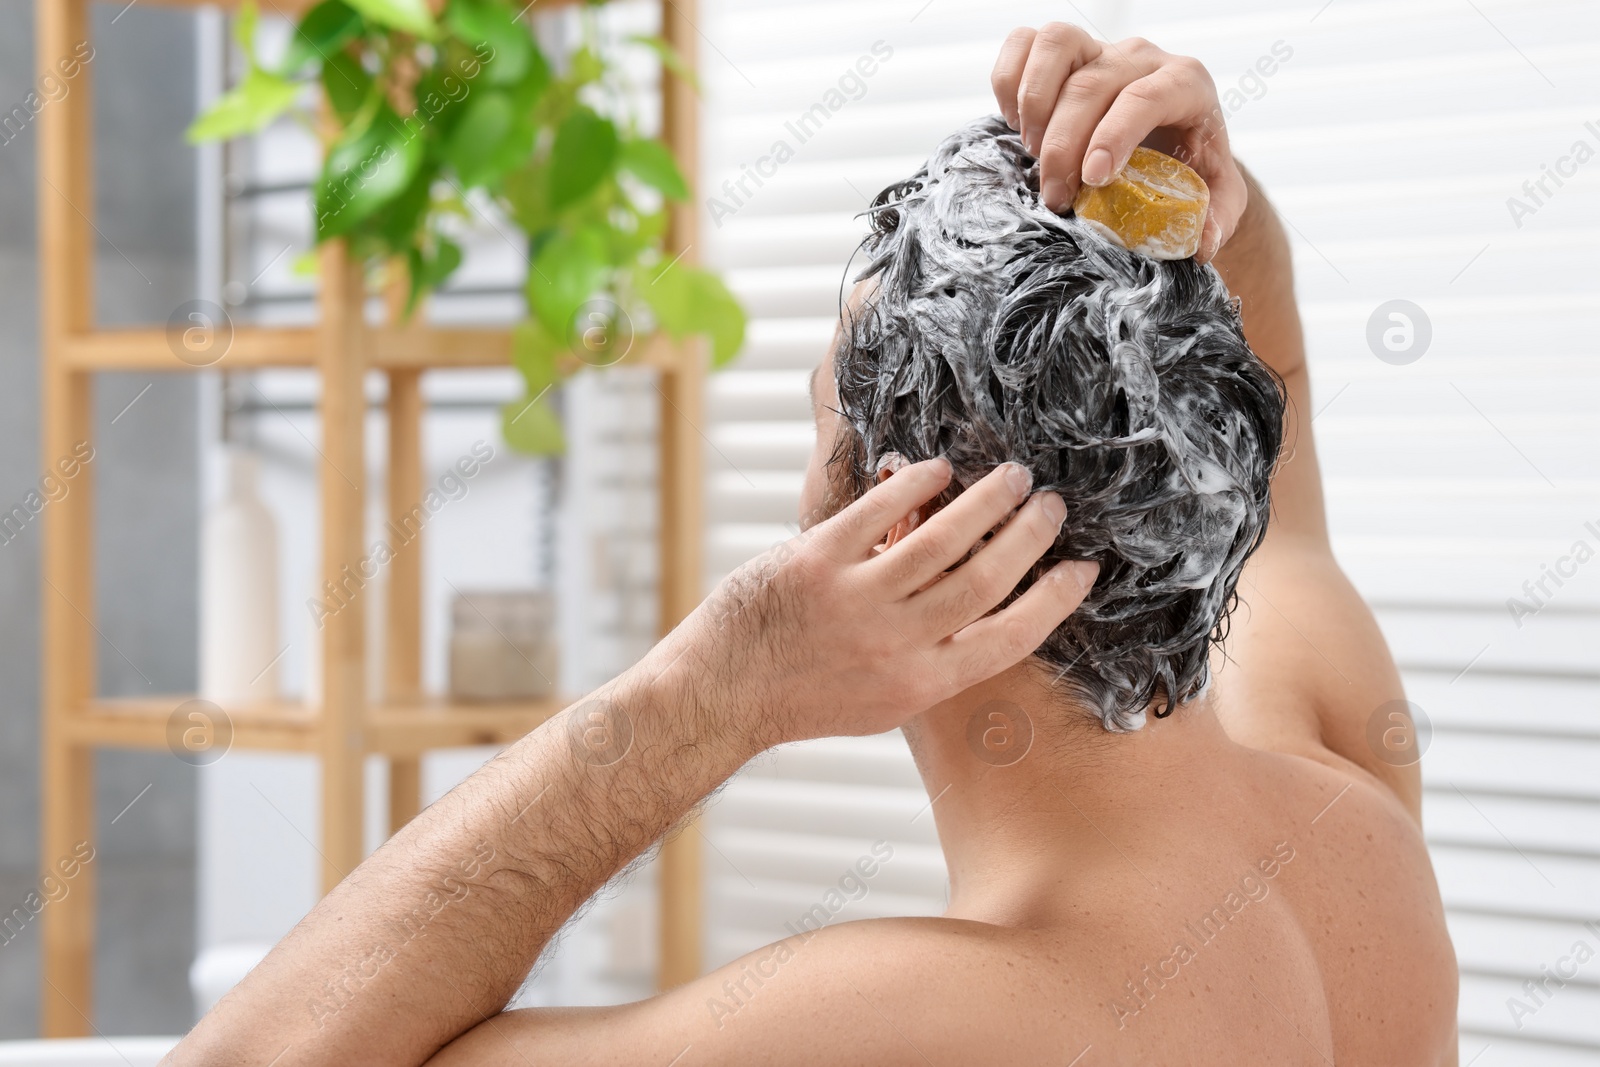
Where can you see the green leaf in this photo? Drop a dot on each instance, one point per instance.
(652, 163)
(585, 150)
(323, 31)
(437, 268)
(249, 106)
(531, 426)
(652, 227)
(527, 189)
(669, 58)
(408, 16)
(347, 85)
(427, 272)
(534, 353)
(687, 300)
(585, 67)
(364, 172)
(416, 273)
(511, 50)
(569, 269)
(718, 314)
(478, 139)
(446, 258)
(632, 234)
(666, 289)
(439, 93)
(244, 28)
(534, 81)
(398, 221)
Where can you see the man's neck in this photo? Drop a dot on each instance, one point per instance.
(1031, 794)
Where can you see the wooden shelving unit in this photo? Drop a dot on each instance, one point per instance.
(342, 348)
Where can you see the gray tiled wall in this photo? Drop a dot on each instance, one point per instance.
(147, 480)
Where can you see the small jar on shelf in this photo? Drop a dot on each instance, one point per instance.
(502, 646)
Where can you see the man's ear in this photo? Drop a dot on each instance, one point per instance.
(891, 463)
(903, 528)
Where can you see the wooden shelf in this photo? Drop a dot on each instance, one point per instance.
(411, 729)
(341, 349)
(391, 729)
(262, 347)
(143, 723)
(149, 349)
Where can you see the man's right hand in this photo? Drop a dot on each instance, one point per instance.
(1082, 106)
(832, 634)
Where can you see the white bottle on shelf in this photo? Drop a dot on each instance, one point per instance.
(239, 633)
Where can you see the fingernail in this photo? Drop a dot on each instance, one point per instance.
(1019, 478)
(1097, 168)
(1055, 509)
(1055, 195)
(1079, 573)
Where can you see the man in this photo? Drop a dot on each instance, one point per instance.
(1144, 868)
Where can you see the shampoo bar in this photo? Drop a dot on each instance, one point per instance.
(1155, 206)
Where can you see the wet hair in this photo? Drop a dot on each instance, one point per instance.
(999, 331)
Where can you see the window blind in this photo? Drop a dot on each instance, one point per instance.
(1437, 153)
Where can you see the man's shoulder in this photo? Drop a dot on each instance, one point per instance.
(1363, 902)
(886, 992)
(922, 990)
(917, 991)
(910, 989)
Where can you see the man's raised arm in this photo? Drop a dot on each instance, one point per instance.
(1309, 667)
(434, 932)
(1258, 268)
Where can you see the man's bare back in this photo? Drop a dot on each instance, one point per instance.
(1241, 907)
(1243, 881)
(1247, 914)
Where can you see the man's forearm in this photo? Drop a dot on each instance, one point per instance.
(1258, 267)
(436, 930)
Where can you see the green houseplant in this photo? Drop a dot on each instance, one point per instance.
(427, 112)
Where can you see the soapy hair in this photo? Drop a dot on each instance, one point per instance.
(1001, 331)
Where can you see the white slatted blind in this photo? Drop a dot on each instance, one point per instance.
(1391, 138)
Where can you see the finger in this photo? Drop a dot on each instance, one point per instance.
(858, 528)
(1007, 73)
(1083, 102)
(1204, 146)
(1057, 51)
(946, 537)
(967, 593)
(1177, 93)
(990, 645)
(1229, 198)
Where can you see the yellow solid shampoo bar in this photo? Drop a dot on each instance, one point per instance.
(1155, 206)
